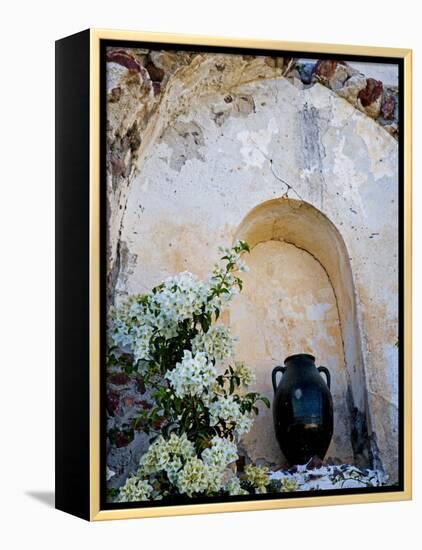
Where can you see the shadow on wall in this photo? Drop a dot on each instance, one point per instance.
(299, 224)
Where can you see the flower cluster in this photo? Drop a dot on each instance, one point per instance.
(224, 408)
(178, 298)
(243, 425)
(257, 478)
(206, 474)
(220, 454)
(157, 314)
(244, 373)
(217, 343)
(135, 489)
(192, 478)
(175, 461)
(167, 455)
(219, 279)
(288, 486)
(137, 324)
(233, 487)
(194, 375)
(227, 409)
(233, 257)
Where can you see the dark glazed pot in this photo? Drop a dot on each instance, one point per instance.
(302, 409)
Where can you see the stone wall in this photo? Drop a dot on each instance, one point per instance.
(301, 160)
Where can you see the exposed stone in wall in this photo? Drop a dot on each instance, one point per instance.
(126, 396)
(136, 81)
(371, 96)
(198, 144)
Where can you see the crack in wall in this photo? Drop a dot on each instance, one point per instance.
(277, 177)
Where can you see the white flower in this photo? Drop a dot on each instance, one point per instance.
(135, 489)
(234, 258)
(221, 453)
(193, 477)
(220, 300)
(166, 454)
(217, 343)
(173, 468)
(233, 487)
(228, 410)
(244, 373)
(133, 325)
(224, 408)
(181, 297)
(156, 458)
(180, 445)
(189, 473)
(257, 477)
(244, 425)
(141, 344)
(193, 376)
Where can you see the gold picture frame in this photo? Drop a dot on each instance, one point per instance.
(92, 506)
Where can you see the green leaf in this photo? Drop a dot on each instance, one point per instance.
(265, 400)
(112, 493)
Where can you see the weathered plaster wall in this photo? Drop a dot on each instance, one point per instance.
(228, 134)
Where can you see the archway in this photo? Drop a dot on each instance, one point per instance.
(300, 295)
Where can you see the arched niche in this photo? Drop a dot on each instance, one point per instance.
(304, 229)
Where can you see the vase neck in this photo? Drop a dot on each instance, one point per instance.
(300, 360)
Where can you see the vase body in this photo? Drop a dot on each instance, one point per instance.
(302, 409)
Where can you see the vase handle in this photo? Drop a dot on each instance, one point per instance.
(327, 375)
(274, 376)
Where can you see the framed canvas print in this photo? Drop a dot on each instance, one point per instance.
(233, 274)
